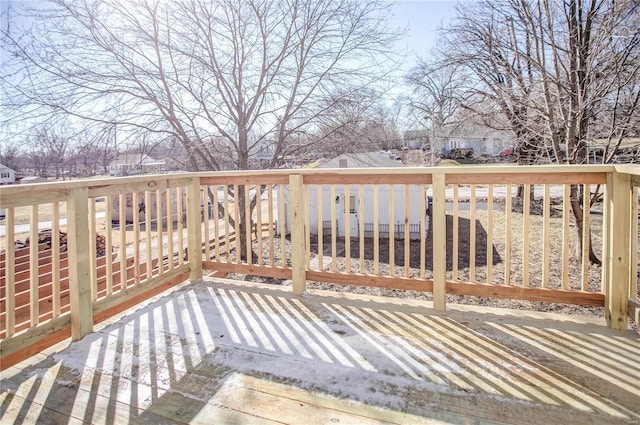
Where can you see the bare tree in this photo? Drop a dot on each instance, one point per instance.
(53, 149)
(556, 71)
(243, 72)
(95, 147)
(438, 91)
(356, 122)
(11, 156)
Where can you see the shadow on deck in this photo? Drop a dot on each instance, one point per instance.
(464, 228)
(222, 352)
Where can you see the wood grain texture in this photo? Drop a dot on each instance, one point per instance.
(439, 243)
(297, 234)
(80, 298)
(618, 256)
(194, 231)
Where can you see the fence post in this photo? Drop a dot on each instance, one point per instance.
(194, 230)
(439, 232)
(298, 272)
(80, 300)
(617, 255)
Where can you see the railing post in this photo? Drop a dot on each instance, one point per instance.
(439, 232)
(298, 272)
(80, 301)
(194, 230)
(617, 255)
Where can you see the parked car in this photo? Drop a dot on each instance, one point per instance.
(506, 152)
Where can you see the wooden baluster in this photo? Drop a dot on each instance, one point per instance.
(333, 228)
(376, 230)
(472, 233)
(526, 208)
(546, 223)
(10, 275)
(423, 228)
(566, 211)
(456, 230)
(109, 244)
(391, 233)
(407, 232)
(347, 228)
(55, 254)
(507, 235)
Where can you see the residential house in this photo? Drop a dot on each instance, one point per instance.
(472, 146)
(7, 175)
(136, 163)
(349, 204)
(628, 150)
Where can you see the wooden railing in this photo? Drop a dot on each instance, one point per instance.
(473, 244)
(102, 254)
(500, 232)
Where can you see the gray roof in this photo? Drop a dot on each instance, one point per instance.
(5, 168)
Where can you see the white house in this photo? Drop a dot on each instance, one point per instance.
(350, 204)
(7, 175)
(136, 163)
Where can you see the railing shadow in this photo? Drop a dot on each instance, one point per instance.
(464, 251)
(170, 359)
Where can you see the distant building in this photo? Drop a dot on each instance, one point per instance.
(476, 146)
(136, 163)
(628, 150)
(416, 139)
(7, 175)
(263, 154)
(350, 204)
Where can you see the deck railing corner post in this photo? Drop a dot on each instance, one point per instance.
(194, 229)
(439, 232)
(298, 271)
(80, 299)
(617, 255)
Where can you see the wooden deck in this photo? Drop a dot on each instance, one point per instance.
(223, 352)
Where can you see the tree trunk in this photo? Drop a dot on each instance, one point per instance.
(577, 210)
(242, 226)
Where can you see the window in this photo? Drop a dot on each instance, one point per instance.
(352, 204)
